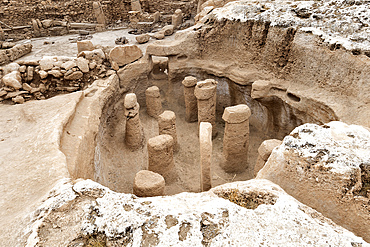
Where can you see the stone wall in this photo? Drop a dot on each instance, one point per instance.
(50, 76)
(21, 12)
(9, 53)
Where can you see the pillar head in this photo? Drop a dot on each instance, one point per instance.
(160, 142)
(153, 92)
(236, 114)
(178, 12)
(148, 183)
(189, 81)
(130, 100)
(167, 117)
(205, 89)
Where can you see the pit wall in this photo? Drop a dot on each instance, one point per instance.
(299, 69)
(21, 12)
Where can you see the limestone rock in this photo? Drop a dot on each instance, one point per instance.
(147, 183)
(30, 72)
(18, 99)
(143, 38)
(83, 64)
(43, 74)
(74, 76)
(13, 80)
(121, 41)
(123, 55)
(159, 35)
(168, 30)
(26, 87)
(84, 45)
(264, 152)
(56, 73)
(326, 167)
(227, 215)
(68, 65)
(46, 63)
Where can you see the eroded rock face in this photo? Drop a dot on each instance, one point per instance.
(187, 219)
(326, 167)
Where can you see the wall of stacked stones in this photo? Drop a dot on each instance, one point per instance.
(21, 12)
(50, 76)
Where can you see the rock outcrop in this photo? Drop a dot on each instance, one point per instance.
(227, 215)
(326, 167)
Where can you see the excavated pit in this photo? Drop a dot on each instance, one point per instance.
(116, 164)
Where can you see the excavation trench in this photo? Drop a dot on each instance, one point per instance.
(104, 157)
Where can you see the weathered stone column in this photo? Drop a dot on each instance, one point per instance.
(206, 93)
(99, 14)
(264, 152)
(205, 141)
(160, 154)
(134, 135)
(135, 5)
(147, 183)
(167, 125)
(236, 138)
(2, 34)
(177, 18)
(191, 105)
(153, 102)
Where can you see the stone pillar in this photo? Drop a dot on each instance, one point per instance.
(99, 14)
(205, 141)
(264, 152)
(206, 93)
(156, 17)
(147, 183)
(236, 138)
(153, 102)
(167, 125)
(177, 18)
(2, 34)
(134, 135)
(135, 5)
(191, 105)
(160, 155)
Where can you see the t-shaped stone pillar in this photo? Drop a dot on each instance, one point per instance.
(167, 125)
(236, 138)
(99, 14)
(206, 93)
(191, 105)
(160, 154)
(135, 5)
(177, 18)
(134, 135)
(205, 141)
(153, 101)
